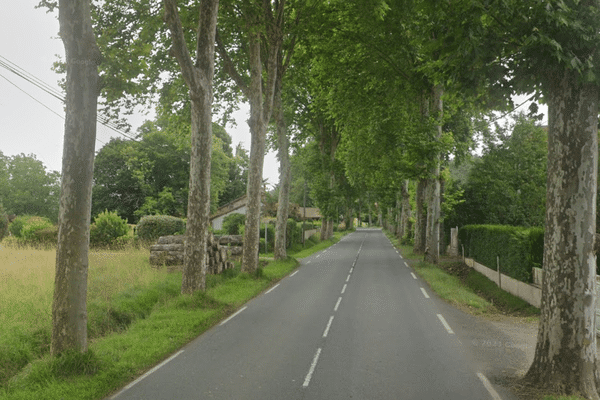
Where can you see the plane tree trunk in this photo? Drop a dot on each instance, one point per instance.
(432, 246)
(198, 75)
(565, 354)
(69, 311)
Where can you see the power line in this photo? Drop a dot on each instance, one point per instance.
(14, 68)
(34, 99)
(39, 102)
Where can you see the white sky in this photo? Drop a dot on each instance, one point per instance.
(28, 38)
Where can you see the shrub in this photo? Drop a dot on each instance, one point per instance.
(3, 222)
(32, 225)
(107, 228)
(232, 223)
(293, 232)
(16, 227)
(46, 236)
(151, 227)
(270, 236)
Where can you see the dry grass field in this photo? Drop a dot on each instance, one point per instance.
(26, 288)
(27, 279)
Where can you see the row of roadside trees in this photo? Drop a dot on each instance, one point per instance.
(378, 93)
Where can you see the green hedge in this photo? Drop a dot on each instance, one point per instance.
(293, 232)
(520, 249)
(151, 227)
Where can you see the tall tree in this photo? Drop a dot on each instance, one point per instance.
(262, 24)
(285, 170)
(69, 313)
(198, 75)
(27, 188)
(550, 46)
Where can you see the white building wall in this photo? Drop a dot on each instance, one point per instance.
(217, 223)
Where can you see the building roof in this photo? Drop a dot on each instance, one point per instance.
(311, 212)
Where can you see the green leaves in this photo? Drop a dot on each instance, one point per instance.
(26, 187)
(507, 185)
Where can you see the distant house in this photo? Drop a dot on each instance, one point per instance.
(312, 213)
(238, 206)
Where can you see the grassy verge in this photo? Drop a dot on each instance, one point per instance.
(136, 319)
(470, 291)
(466, 288)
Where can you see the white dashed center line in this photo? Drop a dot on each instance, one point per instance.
(424, 293)
(328, 326)
(311, 370)
(337, 304)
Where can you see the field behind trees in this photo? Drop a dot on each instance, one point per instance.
(26, 291)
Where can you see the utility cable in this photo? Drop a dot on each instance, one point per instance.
(14, 68)
(39, 102)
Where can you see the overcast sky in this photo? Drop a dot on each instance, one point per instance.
(28, 38)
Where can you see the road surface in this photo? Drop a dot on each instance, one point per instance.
(352, 322)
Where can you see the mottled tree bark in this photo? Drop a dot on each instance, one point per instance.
(69, 312)
(198, 76)
(349, 216)
(285, 176)
(432, 245)
(565, 355)
(261, 106)
(420, 218)
(405, 214)
(258, 132)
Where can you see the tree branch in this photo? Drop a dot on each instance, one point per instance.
(230, 67)
(190, 74)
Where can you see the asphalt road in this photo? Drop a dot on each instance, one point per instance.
(353, 322)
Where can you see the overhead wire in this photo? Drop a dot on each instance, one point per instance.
(14, 68)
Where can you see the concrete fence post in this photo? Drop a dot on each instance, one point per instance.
(499, 274)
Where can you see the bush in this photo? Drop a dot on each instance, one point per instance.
(293, 232)
(107, 228)
(46, 236)
(270, 236)
(151, 227)
(32, 225)
(520, 249)
(232, 223)
(3, 222)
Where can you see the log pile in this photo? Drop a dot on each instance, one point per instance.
(169, 251)
(233, 243)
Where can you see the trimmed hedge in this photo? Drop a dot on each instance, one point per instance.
(151, 227)
(520, 249)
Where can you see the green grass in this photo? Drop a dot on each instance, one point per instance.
(504, 301)
(136, 319)
(450, 288)
(115, 283)
(477, 293)
(318, 246)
